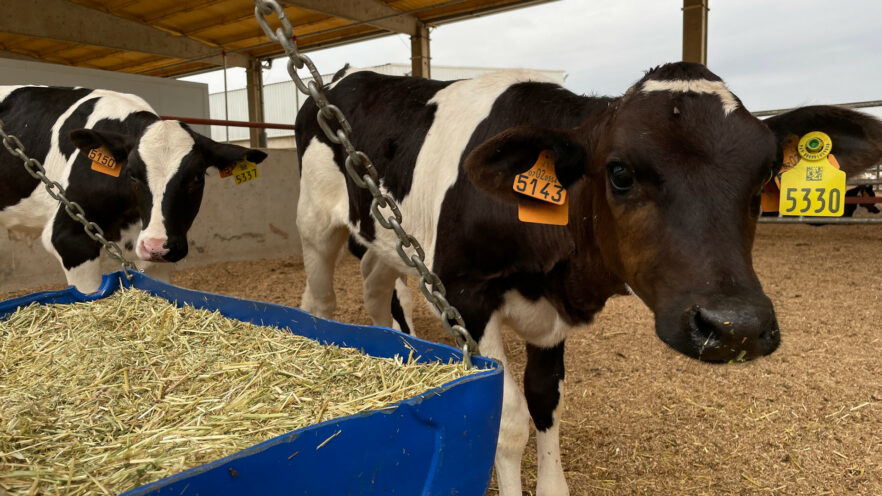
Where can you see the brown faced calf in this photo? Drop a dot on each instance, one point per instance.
(646, 214)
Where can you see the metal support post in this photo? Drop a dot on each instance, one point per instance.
(695, 30)
(254, 90)
(419, 53)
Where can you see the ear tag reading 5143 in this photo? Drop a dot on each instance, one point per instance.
(103, 162)
(242, 171)
(815, 186)
(540, 182)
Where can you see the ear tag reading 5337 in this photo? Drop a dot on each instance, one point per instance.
(814, 187)
(242, 171)
(103, 162)
(540, 182)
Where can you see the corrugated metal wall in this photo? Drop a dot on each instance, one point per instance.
(282, 100)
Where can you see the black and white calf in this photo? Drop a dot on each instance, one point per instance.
(646, 212)
(150, 206)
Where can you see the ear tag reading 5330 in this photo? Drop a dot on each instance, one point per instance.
(815, 186)
(540, 182)
(242, 171)
(103, 162)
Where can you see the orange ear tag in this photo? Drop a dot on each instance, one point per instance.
(540, 182)
(103, 162)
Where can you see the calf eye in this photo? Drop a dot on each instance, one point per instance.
(620, 178)
(196, 182)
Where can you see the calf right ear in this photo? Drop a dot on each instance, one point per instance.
(857, 137)
(494, 164)
(119, 145)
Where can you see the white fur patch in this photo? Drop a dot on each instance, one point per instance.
(6, 90)
(323, 201)
(538, 322)
(514, 426)
(695, 86)
(550, 478)
(162, 147)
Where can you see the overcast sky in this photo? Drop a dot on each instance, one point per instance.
(771, 53)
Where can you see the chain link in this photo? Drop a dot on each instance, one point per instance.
(330, 116)
(73, 209)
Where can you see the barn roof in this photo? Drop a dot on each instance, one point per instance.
(178, 37)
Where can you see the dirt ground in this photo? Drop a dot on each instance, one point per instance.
(641, 419)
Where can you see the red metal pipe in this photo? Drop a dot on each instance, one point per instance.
(217, 122)
(864, 200)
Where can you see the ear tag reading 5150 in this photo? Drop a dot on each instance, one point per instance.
(815, 186)
(540, 182)
(103, 162)
(242, 171)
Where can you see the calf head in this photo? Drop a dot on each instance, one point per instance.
(668, 181)
(164, 168)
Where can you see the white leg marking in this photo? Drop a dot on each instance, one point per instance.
(378, 280)
(550, 478)
(539, 323)
(514, 427)
(86, 277)
(322, 213)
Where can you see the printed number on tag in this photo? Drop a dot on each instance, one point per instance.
(103, 162)
(242, 172)
(541, 182)
(815, 186)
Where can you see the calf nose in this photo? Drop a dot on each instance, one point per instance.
(733, 329)
(154, 248)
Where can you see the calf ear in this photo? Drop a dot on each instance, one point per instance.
(119, 145)
(223, 155)
(857, 137)
(493, 165)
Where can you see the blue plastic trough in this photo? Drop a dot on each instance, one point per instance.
(441, 442)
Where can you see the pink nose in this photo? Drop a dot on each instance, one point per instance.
(154, 247)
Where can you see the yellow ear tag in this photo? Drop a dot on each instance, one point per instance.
(103, 162)
(540, 182)
(242, 171)
(815, 186)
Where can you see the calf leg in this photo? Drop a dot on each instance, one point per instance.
(402, 307)
(322, 214)
(514, 427)
(319, 258)
(543, 388)
(78, 253)
(378, 282)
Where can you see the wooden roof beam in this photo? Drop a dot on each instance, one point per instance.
(370, 12)
(65, 21)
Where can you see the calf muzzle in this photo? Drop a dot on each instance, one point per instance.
(154, 249)
(722, 329)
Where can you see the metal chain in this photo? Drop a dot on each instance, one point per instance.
(430, 284)
(56, 191)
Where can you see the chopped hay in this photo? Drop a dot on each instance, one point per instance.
(106, 396)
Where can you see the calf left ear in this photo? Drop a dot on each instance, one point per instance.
(493, 165)
(119, 145)
(223, 155)
(857, 137)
